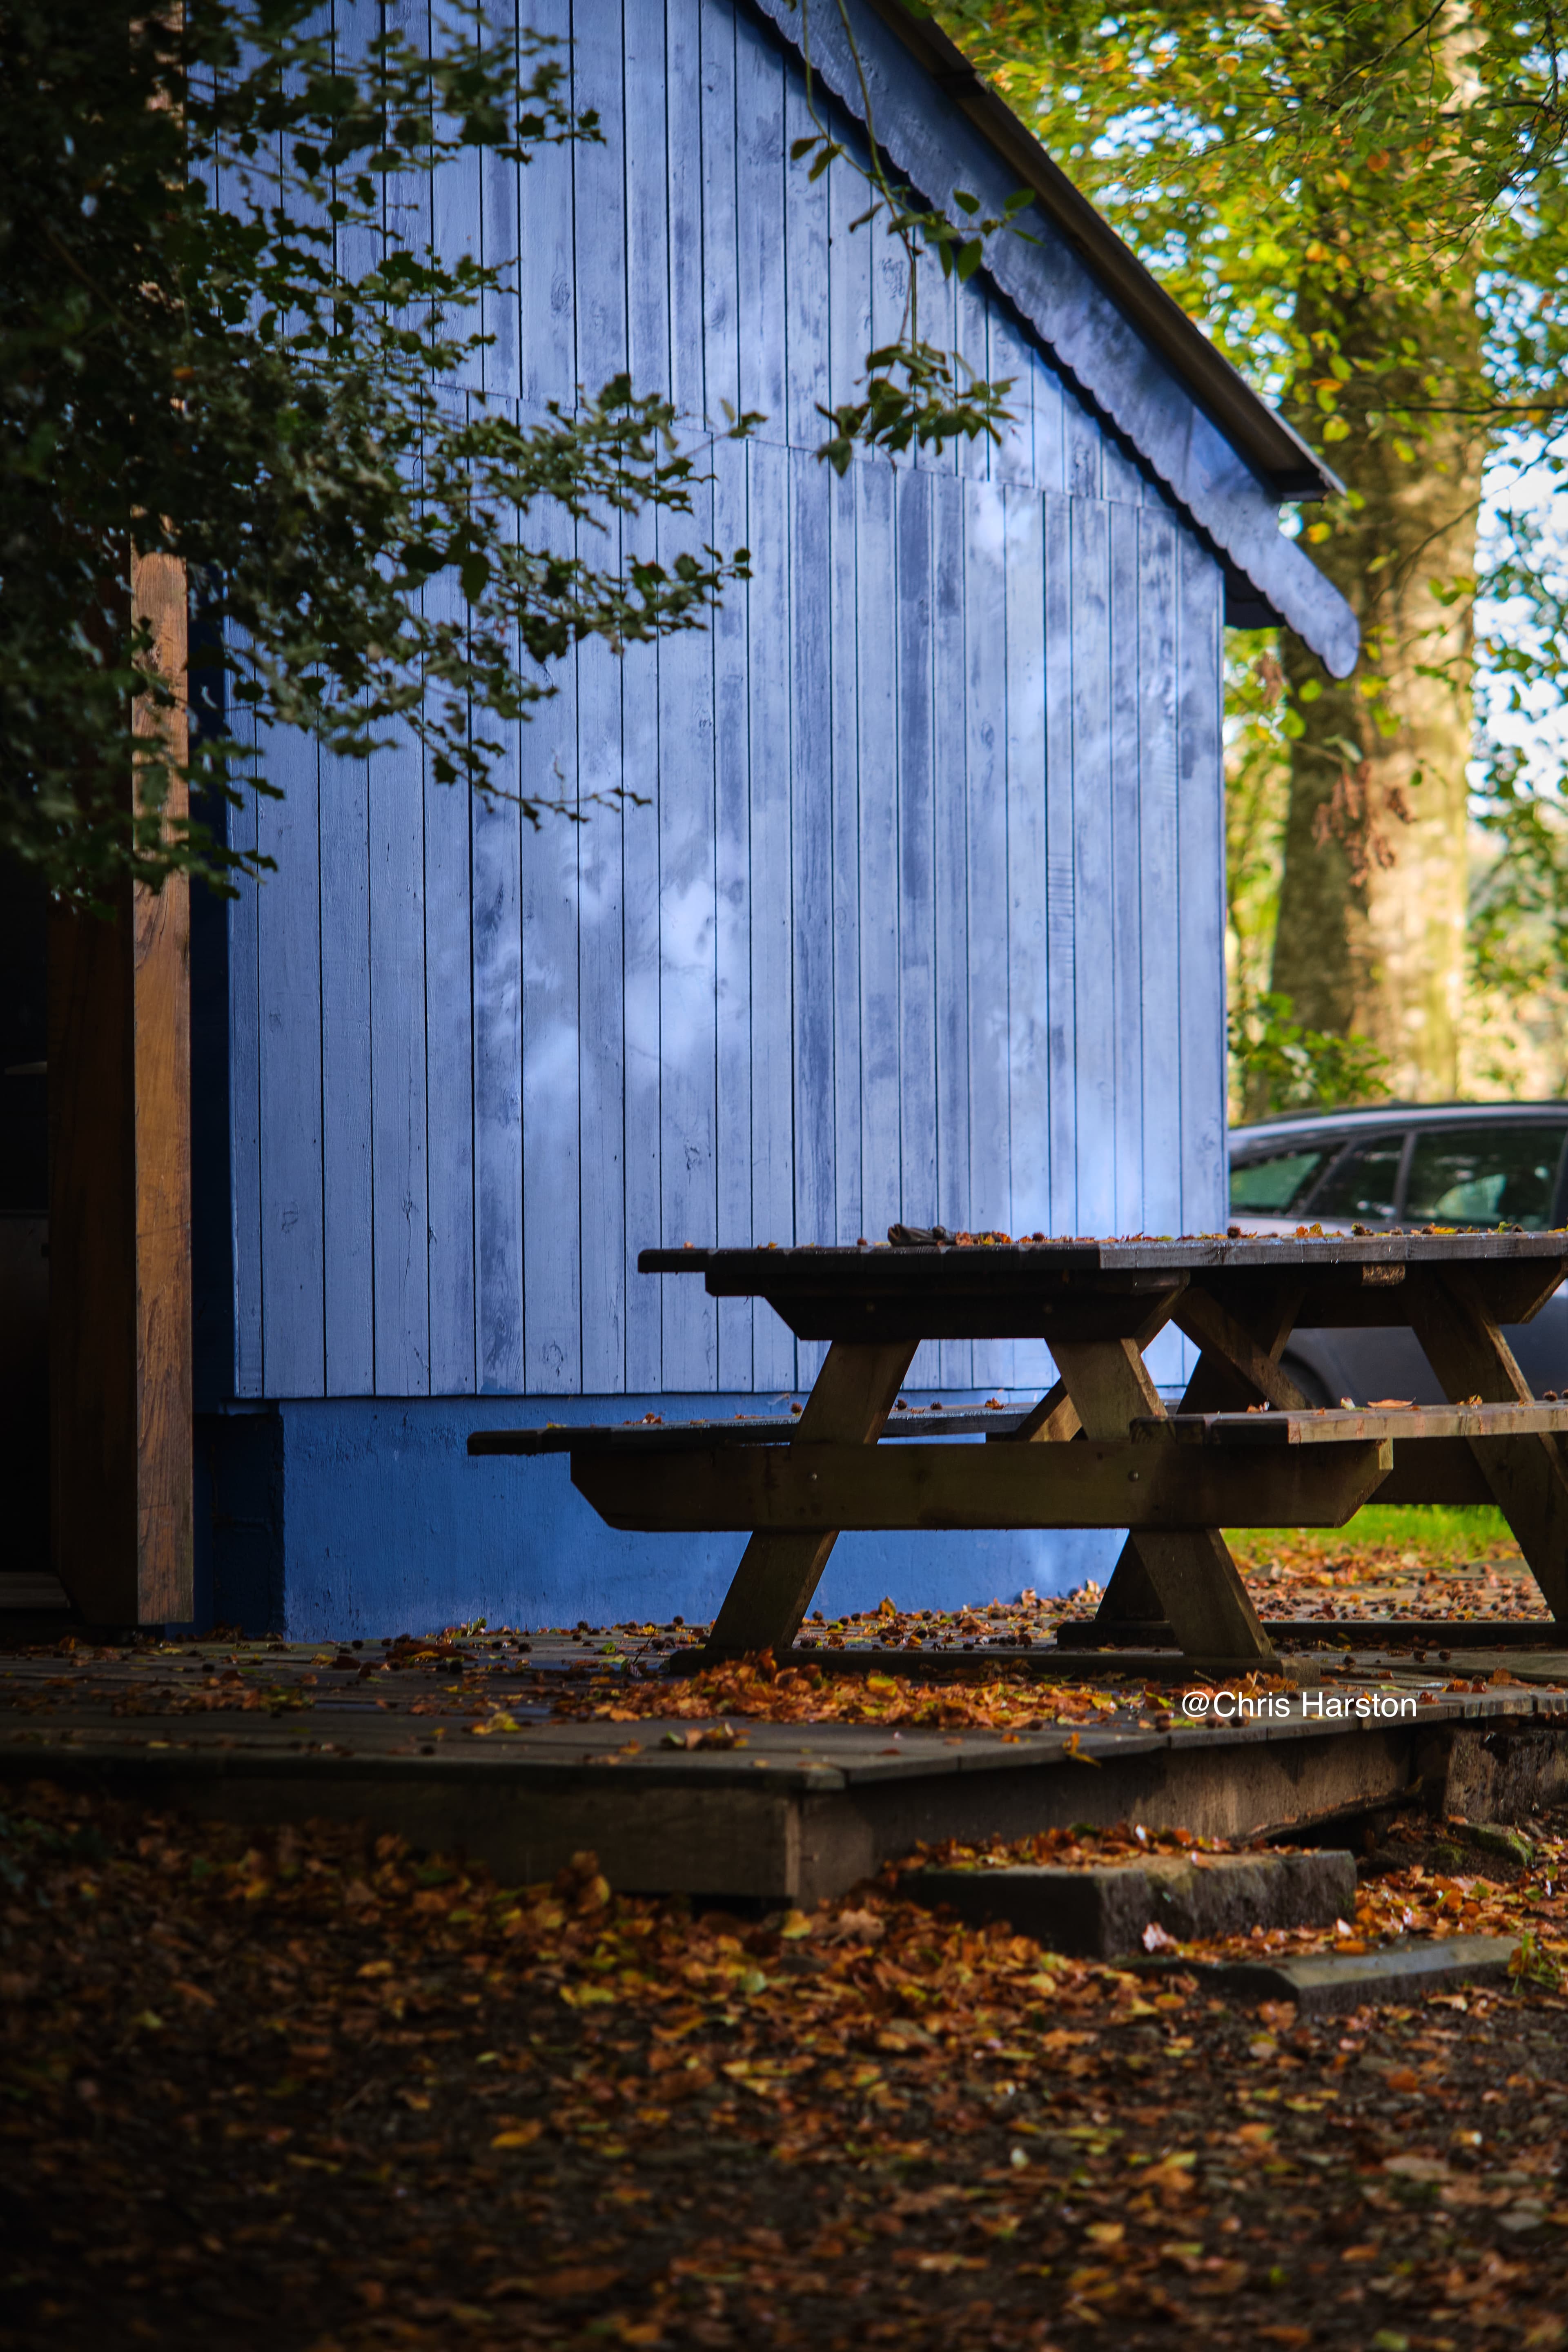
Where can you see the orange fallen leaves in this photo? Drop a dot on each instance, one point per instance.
(757, 1687)
(861, 2097)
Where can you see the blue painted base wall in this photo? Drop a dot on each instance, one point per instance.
(332, 1518)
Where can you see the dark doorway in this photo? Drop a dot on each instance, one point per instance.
(24, 1223)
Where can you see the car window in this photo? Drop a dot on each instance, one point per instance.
(1271, 1185)
(1364, 1181)
(1475, 1175)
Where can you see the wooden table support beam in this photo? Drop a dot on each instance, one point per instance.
(1237, 1366)
(773, 1587)
(1194, 1581)
(785, 1492)
(1527, 1475)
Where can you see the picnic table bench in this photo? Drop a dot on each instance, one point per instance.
(1244, 1447)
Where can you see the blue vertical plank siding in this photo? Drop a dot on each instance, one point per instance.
(916, 851)
(647, 358)
(603, 768)
(547, 288)
(761, 165)
(1123, 798)
(601, 979)
(917, 873)
(985, 1201)
(449, 1067)
(457, 229)
(1121, 483)
(499, 191)
(1013, 458)
(950, 879)
(347, 1175)
(732, 929)
(496, 947)
(552, 1036)
(808, 262)
(1094, 966)
(773, 1009)
(720, 254)
(687, 910)
(398, 1064)
(1200, 895)
(1051, 405)
(688, 940)
(949, 719)
(1040, 843)
(811, 859)
(1084, 478)
(245, 989)
(682, 268)
(1061, 1212)
(1159, 835)
(899, 891)
(760, 170)
(288, 955)
(640, 976)
(850, 266)
(877, 756)
(972, 344)
(807, 253)
(845, 876)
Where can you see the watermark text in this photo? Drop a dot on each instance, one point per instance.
(1226, 1706)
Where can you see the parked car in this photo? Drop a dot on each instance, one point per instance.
(1462, 1164)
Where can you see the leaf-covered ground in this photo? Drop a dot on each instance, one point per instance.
(287, 2089)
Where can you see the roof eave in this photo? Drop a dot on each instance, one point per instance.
(1287, 466)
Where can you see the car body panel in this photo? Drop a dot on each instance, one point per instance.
(1469, 1163)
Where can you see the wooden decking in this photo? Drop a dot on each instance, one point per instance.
(469, 1750)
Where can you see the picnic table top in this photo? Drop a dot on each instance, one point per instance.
(920, 1286)
(920, 1259)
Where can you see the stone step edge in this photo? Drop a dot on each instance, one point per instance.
(1100, 1909)
(1321, 1984)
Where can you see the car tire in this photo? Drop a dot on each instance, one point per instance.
(1306, 1379)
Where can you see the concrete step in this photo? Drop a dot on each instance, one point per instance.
(1404, 1972)
(1100, 1911)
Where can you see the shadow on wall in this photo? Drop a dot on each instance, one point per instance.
(350, 1516)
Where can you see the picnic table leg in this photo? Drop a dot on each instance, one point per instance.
(1190, 1569)
(1527, 1476)
(1238, 1366)
(773, 1587)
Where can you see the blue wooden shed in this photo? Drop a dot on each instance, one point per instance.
(919, 915)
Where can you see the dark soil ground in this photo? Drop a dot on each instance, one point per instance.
(291, 2091)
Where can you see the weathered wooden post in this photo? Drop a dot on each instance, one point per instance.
(119, 1213)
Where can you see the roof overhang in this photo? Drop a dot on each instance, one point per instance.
(1134, 357)
(1280, 457)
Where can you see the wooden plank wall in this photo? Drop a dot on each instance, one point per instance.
(923, 917)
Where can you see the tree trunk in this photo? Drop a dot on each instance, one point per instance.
(1372, 903)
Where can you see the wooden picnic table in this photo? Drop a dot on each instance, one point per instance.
(1244, 1448)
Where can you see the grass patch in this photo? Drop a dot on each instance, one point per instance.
(1433, 1531)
